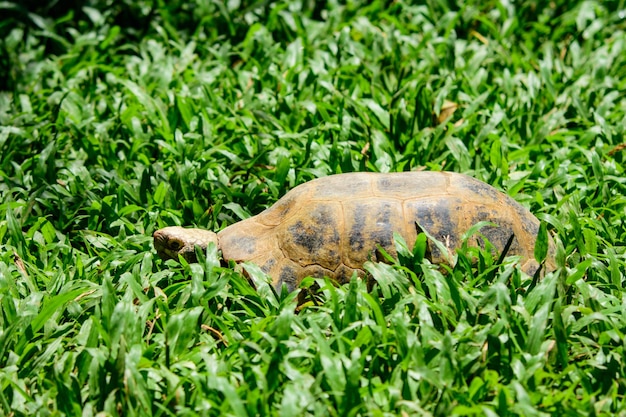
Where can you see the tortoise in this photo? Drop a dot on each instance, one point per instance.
(332, 225)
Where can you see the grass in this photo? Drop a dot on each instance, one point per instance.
(117, 118)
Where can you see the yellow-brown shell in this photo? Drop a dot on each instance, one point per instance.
(332, 225)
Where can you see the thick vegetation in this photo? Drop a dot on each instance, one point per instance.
(120, 117)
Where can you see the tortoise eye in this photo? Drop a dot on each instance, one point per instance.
(175, 245)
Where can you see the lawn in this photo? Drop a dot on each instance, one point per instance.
(121, 117)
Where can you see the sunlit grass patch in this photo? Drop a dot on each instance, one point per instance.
(118, 119)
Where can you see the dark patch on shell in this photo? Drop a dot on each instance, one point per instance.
(343, 274)
(308, 237)
(319, 233)
(383, 235)
(480, 188)
(288, 277)
(267, 266)
(531, 268)
(527, 220)
(384, 183)
(317, 271)
(247, 244)
(381, 231)
(498, 237)
(279, 211)
(333, 254)
(437, 220)
(356, 240)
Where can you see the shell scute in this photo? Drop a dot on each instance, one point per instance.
(238, 247)
(439, 217)
(409, 184)
(288, 276)
(284, 208)
(340, 187)
(370, 222)
(343, 274)
(244, 240)
(313, 238)
(476, 187)
(268, 265)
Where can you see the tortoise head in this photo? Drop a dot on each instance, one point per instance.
(172, 241)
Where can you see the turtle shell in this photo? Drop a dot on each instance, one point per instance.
(331, 226)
